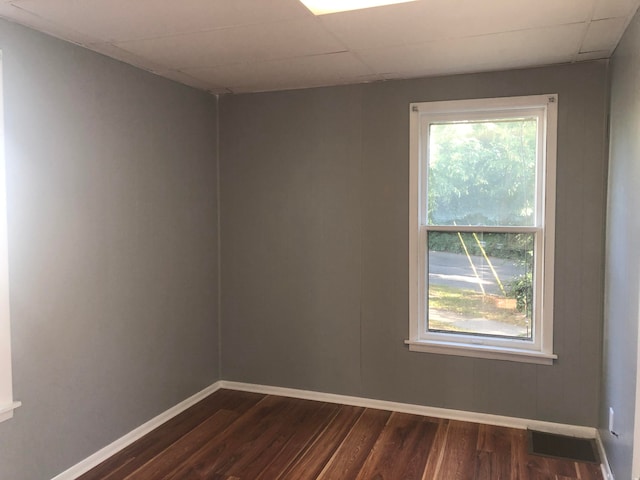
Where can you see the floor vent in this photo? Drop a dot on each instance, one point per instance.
(561, 446)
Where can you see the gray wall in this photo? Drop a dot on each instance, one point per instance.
(622, 254)
(113, 237)
(314, 222)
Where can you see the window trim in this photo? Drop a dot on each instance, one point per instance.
(7, 403)
(540, 350)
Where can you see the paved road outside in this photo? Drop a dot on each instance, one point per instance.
(454, 270)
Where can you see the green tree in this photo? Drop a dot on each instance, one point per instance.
(482, 173)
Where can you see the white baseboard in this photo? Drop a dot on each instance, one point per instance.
(113, 448)
(607, 474)
(489, 419)
(486, 418)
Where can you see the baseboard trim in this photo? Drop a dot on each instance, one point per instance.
(489, 419)
(139, 432)
(607, 474)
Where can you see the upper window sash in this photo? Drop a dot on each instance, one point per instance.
(427, 118)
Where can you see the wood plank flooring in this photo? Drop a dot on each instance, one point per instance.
(246, 436)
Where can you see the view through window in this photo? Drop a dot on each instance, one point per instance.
(481, 174)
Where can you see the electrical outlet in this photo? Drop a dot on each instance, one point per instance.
(611, 414)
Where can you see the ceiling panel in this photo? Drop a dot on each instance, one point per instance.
(237, 44)
(330, 69)
(119, 20)
(486, 52)
(584, 56)
(127, 57)
(9, 11)
(614, 8)
(191, 81)
(439, 19)
(603, 34)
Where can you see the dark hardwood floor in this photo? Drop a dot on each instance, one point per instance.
(245, 436)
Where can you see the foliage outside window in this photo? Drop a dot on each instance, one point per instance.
(481, 239)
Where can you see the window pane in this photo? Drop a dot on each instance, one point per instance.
(481, 283)
(482, 173)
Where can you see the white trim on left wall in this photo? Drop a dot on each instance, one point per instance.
(7, 402)
(104, 453)
(489, 419)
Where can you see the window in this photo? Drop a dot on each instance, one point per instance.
(7, 405)
(482, 215)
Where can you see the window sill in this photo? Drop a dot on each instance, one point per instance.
(482, 351)
(6, 411)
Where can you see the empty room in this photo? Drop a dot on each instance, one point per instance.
(296, 239)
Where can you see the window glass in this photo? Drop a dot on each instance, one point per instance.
(480, 283)
(482, 173)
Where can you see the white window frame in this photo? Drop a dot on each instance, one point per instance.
(540, 348)
(7, 404)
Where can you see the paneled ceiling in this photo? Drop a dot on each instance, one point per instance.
(257, 45)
